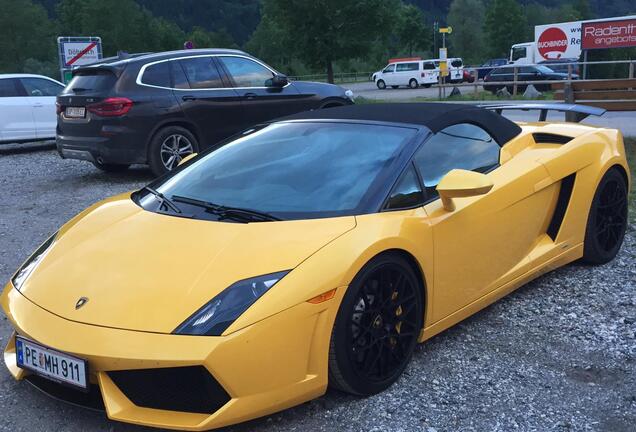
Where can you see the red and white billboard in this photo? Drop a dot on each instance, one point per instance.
(560, 40)
(608, 34)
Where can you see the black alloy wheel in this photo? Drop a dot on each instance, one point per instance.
(377, 327)
(607, 220)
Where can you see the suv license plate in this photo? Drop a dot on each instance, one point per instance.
(75, 112)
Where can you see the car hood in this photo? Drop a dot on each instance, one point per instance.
(149, 272)
(322, 89)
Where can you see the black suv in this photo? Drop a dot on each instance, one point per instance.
(524, 73)
(158, 108)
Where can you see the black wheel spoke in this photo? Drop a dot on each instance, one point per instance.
(384, 323)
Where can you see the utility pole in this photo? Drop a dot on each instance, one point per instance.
(435, 30)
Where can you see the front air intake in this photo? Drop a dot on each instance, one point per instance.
(186, 389)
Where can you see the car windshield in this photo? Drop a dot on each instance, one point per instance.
(544, 69)
(294, 170)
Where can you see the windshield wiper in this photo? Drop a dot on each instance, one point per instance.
(163, 200)
(223, 212)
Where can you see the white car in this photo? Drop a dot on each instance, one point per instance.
(27, 107)
(455, 69)
(412, 74)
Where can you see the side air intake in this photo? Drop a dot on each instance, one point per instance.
(565, 193)
(548, 138)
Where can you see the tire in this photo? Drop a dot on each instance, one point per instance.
(381, 84)
(168, 146)
(369, 348)
(413, 84)
(607, 220)
(111, 168)
(394, 87)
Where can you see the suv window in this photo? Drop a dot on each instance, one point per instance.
(463, 146)
(157, 75)
(202, 73)
(405, 67)
(246, 72)
(389, 68)
(429, 66)
(9, 87)
(91, 80)
(41, 87)
(407, 191)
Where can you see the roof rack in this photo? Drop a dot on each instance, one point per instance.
(573, 112)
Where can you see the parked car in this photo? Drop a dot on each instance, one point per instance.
(27, 107)
(524, 73)
(158, 108)
(407, 73)
(489, 65)
(469, 76)
(563, 65)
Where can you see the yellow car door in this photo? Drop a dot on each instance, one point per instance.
(486, 240)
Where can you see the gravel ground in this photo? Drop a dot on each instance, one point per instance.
(558, 354)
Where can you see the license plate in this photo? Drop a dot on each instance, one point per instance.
(54, 365)
(75, 112)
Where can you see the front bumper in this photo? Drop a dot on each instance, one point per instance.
(271, 365)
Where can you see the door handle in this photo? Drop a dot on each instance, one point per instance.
(250, 95)
(188, 98)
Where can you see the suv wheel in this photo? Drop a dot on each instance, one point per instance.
(381, 84)
(168, 147)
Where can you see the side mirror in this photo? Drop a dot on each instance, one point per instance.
(187, 158)
(277, 81)
(459, 183)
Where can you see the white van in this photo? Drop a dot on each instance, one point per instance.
(455, 68)
(406, 73)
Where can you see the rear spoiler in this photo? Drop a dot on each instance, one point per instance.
(573, 112)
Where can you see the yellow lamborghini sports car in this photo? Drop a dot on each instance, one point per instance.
(315, 250)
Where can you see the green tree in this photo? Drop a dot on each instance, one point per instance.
(131, 29)
(504, 25)
(467, 40)
(325, 31)
(584, 9)
(410, 29)
(206, 39)
(270, 43)
(28, 34)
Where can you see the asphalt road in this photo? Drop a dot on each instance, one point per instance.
(625, 121)
(558, 354)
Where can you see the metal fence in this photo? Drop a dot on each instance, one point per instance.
(575, 70)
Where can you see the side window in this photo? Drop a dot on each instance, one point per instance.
(389, 69)
(463, 146)
(407, 192)
(9, 87)
(157, 75)
(178, 76)
(41, 87)
(457, 63)
(202, 73)
(429, 66)
(406, 67)
(246, 72)
(518, 52)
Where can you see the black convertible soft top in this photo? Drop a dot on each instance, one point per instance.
(435, 116)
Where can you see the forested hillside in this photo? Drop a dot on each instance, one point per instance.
(297, 36)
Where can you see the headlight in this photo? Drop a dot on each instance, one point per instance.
(349, 94)
(30, 264)
(217, 315)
